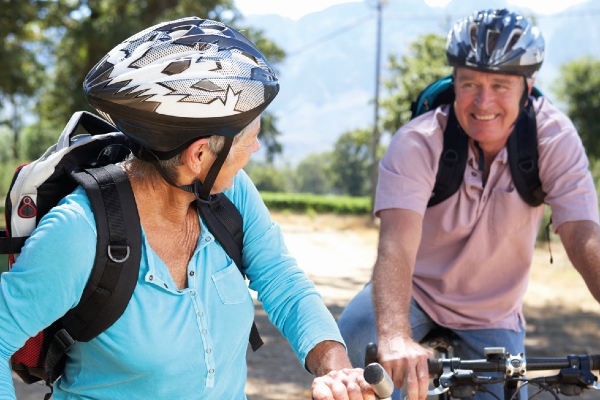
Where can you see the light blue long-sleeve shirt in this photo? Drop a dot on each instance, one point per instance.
(169, 343)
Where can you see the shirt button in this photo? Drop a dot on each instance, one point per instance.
(191, 273)
(151, 277)
(209, 351)
(207, 239)
(204, 331)
(211, 371)
(193, 293)
(200, 314)
(474, 173)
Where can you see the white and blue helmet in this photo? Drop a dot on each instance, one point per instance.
(179, 81)
(497, 41)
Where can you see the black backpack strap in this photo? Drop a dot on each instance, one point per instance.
(225, 222)
(453, 161)
(522, 146)
(116, 266)
(10, 245)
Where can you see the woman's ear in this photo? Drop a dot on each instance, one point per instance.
(197, 156)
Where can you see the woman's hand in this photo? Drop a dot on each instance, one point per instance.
(345, 384)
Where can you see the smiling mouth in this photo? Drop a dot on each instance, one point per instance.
(484, 117)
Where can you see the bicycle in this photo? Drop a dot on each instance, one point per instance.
(458, 378)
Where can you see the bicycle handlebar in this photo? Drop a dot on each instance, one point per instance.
(592, 362)
(574, 377)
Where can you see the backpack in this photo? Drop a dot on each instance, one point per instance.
(85, 154)
(521, 146)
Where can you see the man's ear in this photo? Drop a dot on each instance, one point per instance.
(197, 155)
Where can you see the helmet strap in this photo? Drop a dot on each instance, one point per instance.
(202, 189)
(524, 97)
(199, 188)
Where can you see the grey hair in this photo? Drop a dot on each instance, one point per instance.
(146, 171)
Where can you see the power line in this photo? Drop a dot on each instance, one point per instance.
(453, 17)
(417, 18)
(325, 38)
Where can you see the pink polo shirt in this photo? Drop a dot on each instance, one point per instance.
(473, 262)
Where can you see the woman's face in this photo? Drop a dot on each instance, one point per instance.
(238, 158)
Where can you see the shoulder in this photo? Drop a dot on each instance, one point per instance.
(550, 120)
(244, 195)
(424, 133)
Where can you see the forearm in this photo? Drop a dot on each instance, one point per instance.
(392, 290)
(327, 356)
(582, 243)
(392, 275)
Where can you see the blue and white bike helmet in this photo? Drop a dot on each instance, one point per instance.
(497, 41)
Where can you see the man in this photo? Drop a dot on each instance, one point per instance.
(188, 94)
(464, 263)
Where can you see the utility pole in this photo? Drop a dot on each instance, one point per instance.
(376, 134)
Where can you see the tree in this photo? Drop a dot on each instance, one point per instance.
(313, 174)
(424, 63)
(269, 135)
(22, 72)
(579, 88)
(37, 138)
(350, 162)
(267, 178)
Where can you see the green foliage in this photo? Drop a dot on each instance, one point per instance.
(313, 174)
(310, 203)
(38, 138)
(350, 163)
(7, 171)
(269, 135)
(579, 88)
(268, 178)
(5, 151)
(424, 63)
(3, 263)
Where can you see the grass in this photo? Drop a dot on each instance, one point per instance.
(3, 263)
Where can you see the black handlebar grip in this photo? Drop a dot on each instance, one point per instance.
(371, 353)
(595, 362)
(434, 365)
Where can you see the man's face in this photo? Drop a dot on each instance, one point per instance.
(487, 105)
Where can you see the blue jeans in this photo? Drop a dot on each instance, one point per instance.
(357, 325)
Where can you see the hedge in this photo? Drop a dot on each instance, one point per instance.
(306, 202)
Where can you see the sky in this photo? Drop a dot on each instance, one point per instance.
(296, 9)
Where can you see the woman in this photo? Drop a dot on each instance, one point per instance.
(188, 94)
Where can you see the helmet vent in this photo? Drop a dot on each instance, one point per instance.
(492, 41)
(473, 35)
(516, 35)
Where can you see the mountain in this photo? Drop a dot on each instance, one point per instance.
(328, 78)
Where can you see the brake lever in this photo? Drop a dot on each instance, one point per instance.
(438, 390)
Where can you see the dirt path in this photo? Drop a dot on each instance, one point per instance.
(338, 253)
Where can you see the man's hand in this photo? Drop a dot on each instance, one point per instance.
(406, 360)
(345, 384)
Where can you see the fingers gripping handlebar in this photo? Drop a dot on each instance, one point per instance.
(574, 377)
(376, 375)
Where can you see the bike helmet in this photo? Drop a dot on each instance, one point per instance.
(179, 81)
(496, 41)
